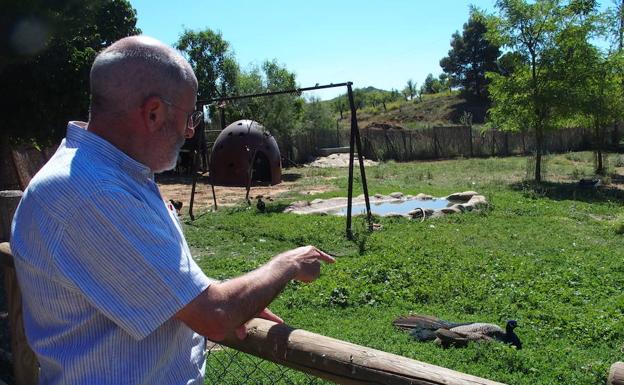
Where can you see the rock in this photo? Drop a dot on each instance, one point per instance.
(317, 201)
(424, 197)
(462, 196)
(397, 195)
(378, 196)
(466, 206)
(478, 201)
(450, 210)
(409, 197)
(418, 213)
(458, 206)
(394, 215)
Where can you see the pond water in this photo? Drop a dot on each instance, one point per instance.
(398, 207)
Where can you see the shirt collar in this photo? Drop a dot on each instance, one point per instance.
(78, 136)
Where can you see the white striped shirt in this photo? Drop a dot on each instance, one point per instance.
(103, 266)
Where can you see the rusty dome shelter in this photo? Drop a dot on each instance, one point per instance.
(245, 154)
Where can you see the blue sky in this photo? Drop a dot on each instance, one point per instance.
(371, 43)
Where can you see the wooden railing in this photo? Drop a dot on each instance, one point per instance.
(339, 361)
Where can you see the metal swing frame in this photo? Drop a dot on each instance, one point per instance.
(354, 143)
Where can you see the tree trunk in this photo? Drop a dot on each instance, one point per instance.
(539, 144)
(599, 163)
(9, 199)
(470, 140)
(620, 10)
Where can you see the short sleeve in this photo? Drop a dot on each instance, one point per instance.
(129, 260)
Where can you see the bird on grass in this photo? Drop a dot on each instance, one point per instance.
(260, 205)
(446, 334)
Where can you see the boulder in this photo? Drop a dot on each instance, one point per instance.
(462, 196)
(397, 195)
(466, 206)
(459, 207)
(424, 197)
(450, 210)
(478, 201)
(418, 213)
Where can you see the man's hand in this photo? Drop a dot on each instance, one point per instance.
(221, 307)
(241, 331)
(306, 261)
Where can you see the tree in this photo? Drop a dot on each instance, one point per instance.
(359, 98)
(214, 65)
(317, 119)
(282, 114)
(472, 54)
(527, 97)
(605, 101)
(410, 89)
(45, 65)
(618, 24)
(590, 78)
(431, 85)
(340, 105)
(445, 82)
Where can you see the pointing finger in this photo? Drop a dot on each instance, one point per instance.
(325, 257)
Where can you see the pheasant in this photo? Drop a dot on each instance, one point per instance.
(445, 333)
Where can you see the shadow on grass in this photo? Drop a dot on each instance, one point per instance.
(291, 177)
(276, 207)
(569, 191)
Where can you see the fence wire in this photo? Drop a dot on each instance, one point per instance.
(225, 366)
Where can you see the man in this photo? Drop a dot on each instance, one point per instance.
(111, 294)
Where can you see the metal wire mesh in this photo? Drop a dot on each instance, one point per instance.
(226, 366)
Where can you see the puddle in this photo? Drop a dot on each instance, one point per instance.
(394, 204)
(402, 207)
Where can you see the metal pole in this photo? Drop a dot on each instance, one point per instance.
(194, 171)
(358, 143)
(351, 150)
(291, 91)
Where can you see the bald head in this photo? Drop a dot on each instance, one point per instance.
(133, 69)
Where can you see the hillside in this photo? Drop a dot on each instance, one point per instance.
(441, 109)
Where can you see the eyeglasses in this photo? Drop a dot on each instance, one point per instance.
(193, 118)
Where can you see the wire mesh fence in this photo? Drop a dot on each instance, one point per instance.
(225, 366)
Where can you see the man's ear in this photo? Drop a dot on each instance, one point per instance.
(154, 113)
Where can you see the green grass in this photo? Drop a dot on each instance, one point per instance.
(549, 256)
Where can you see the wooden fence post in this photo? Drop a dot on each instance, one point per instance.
(616, 374)
(9, 199)
(25, 365)
(470, 140)
(339, 361)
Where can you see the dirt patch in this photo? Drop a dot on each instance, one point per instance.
(179, 188)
